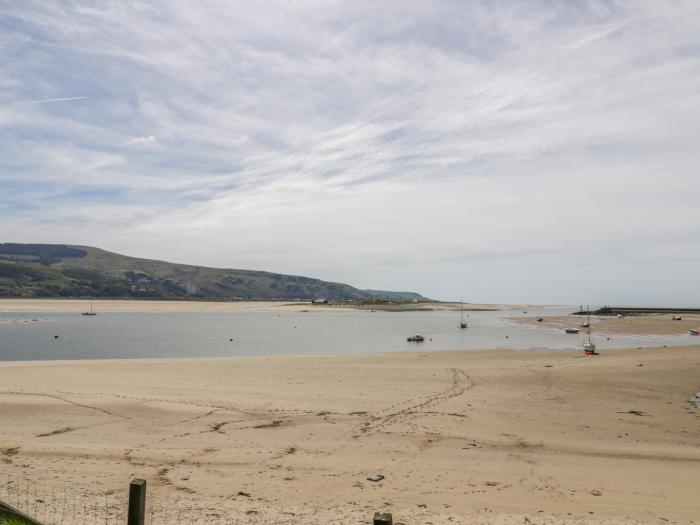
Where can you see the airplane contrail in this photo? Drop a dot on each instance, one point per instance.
(42, 101)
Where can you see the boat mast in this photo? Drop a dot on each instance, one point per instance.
(588, 312)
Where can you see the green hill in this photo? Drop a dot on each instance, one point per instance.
(57, 270)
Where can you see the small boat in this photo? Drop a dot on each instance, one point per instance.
(91, 311)
(540, 319)
(585, 325)
(416, 339)
(693, 332)
(463, 323)
(678, 318)
(589, 346)
(572, 330)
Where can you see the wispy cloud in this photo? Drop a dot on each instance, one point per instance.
(47, 100)
(439, 146)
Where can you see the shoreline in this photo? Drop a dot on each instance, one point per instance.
(77, 305)
(491, 352)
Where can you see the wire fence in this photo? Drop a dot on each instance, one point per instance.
(64, 505)
(48, 504)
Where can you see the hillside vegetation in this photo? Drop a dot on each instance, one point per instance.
(56, 270)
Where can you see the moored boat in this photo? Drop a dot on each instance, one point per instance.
(91, 312)
(416, 339)
(589, 346)
(693, 332)
(463, 323)
(572, 330)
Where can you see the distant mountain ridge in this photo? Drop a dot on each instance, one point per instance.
(59, 270)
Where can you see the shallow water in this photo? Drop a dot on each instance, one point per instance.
(270, 333)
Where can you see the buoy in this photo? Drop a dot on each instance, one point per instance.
(231, 340)
(55, 337)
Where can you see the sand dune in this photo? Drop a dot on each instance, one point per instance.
(461, 437)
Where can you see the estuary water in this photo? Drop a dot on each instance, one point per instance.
(270, 333)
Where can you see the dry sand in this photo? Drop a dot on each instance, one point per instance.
(461, 437)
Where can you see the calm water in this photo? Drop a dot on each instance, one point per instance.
(125, 335)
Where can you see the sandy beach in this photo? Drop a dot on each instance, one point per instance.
(460, 437)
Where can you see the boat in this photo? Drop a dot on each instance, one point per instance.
(91, 312)
(572, 330)
(463, 323)
(677, 318)
(589, 346)
(416, 339)
(693, 332)
(587, 324)
(540, 319)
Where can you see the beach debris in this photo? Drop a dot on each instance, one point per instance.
(492, 483)
(597, 492)
(376, 478)
(244, 494)
(251, 512)
(185, 478)
(275, 423)
(383, 518)
(548, 366)
(640, 364)
(635, 412)
(56, 432)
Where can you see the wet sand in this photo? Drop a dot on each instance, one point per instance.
(643, 324)
(461, 437)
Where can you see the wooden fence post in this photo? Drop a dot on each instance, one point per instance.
(383, 518)
(137, 502)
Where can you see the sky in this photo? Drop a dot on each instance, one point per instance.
(522, 151)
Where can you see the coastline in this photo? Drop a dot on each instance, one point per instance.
(456, 431)
(22, 305)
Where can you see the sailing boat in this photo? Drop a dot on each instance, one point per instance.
(90, 312)
(463, 323)
(589, 346)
